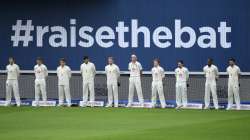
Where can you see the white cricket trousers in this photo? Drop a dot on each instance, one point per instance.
(88, 90)
(12, 85)
(113, 93)
(157, 87)
(64, 89)
(40, 88)
(233, 94)
(135, 83)
(181, 94)
(210, 87)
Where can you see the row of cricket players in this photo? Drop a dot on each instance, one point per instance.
(88, 72)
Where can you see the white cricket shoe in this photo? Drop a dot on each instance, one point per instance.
(229, 108)
(128, 105)
(7, 104)
(178, 107)
(206, 108)
(60, 104)
(108, 105)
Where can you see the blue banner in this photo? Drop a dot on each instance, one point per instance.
(171, 30)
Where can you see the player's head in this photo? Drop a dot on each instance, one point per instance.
(85, 59)
(231, 61)
(209, 61)
(39, 60)
(133, 58)
(110, 60)
(62, 61)
(11, 60)
(180, 63)
(156, 62)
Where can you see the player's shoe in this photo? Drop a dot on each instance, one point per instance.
(108, 105)
(7, 104)
(60, 105)
(178, 107)
(141, 105)
(206, 108)
(128, 105)
(229, 108)
(152, 105)
(36, 104)
(164, 106)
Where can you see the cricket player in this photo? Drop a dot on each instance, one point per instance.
(135, 69)
(64, 75)
(211, 74)
(182, 75)
(233, 84)
(41, 73)
(13, 73)
(88, 72)
(113, 73)
(157, 85)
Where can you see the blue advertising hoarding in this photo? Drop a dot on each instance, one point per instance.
(191, 30)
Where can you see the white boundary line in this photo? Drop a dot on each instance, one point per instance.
(127, 72)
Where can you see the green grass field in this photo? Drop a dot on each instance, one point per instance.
(58, 123)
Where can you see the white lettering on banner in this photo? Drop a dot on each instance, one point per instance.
(211, 37)
(138, 105)
(193, 106)
(105, 36)
(157, 37)
(178, 33)
(73, 33)
(242, 107)
(84, 35)
(121, 29)
(44, 103)
(100, 37)
(93, 103)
